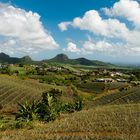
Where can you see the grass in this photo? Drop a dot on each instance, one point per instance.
(98, 87)
(117, 122)
(131, 95)
(14, 90)
(110, 122)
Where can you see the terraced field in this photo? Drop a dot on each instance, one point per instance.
(131, 95)
(13, 90)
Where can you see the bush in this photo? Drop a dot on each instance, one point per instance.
(48, 109)
(67, 107)
(45, 110)
(78, 104)
(27, 111)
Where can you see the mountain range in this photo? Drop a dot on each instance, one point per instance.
(60, 58)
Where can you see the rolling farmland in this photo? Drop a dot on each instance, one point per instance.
(98, 87)
(13, 90)
(131, 95)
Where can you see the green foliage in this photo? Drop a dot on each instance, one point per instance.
(49, 108)
(67, 107)
(72, 107)
(135, 83)
(136, 74)
(27, 111)
(78, 104)
(45, 110)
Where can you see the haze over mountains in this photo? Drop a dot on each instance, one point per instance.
(60, 58)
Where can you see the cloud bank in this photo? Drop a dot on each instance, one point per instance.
(118, 33)
(23, 32)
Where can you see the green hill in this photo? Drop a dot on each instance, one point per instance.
(4, 58)
(60, 58)
(63, 59)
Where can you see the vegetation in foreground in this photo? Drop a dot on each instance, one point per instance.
(117, 122)
(54, 114)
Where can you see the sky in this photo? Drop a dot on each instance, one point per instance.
(105, 30)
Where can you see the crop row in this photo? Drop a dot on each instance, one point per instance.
(125, 96)
(13, 90)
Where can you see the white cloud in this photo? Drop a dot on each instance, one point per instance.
(7, 46)
(72, 47)
(25, 28)
(130, 9)
(105, 47)
(118, 37)
(100, 46)
(92, 22)
(63, 26)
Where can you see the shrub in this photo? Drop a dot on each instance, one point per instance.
(67, 107)
(78, 104)
(45, 110)
(48, 108)
(27, 111)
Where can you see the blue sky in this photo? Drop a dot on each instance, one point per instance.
(78, 39)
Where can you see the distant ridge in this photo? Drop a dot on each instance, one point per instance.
(60, 58)
(4, 58)
(64, 59)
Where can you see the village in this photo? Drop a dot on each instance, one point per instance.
(97, 75)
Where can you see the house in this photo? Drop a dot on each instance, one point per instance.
(122, 80)
(106, 80)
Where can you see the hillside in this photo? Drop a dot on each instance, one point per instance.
(14, 90)
(63, 59)
(125, 96)
(4, 58)
(101, 123)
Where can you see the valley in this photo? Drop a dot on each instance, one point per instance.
(110, 98)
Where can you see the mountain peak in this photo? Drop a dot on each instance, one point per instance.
(3, 55)
(61, 57)
(26, 58)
